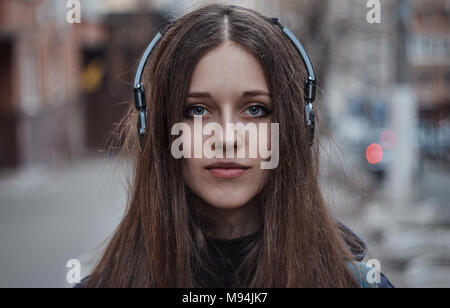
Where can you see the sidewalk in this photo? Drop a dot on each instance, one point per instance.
(49, 216)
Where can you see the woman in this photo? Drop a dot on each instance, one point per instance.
(220, 222)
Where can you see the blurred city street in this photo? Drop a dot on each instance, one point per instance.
(411, 239)
(51, 215)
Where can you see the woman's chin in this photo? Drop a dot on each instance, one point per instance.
(227, 204)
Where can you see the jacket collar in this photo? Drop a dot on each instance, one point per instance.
(357, 247)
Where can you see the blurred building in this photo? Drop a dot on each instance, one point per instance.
(128, 32)
(64, 85)
(429, 54)
(41, 117)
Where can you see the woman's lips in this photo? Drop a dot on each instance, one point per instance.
(227, 172)
(227, 169)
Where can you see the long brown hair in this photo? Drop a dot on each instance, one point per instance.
(161, 240)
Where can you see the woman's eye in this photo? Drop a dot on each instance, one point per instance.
(195, 111)
(252, 111)
(257, 111)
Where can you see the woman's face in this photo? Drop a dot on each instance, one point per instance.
(228, 85)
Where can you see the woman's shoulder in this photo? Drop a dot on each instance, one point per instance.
(358, 248)
(368, 277)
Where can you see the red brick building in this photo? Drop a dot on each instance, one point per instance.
(41, 119)
(64, 85)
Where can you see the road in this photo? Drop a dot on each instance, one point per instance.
(48, 216)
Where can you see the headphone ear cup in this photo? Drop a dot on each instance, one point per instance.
(139, 92)
(312, 128)
(310, 122)
(142, 128)
(141, 107)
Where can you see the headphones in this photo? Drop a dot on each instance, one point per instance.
(309, 93)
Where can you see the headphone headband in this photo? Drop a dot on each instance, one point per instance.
(309, 92)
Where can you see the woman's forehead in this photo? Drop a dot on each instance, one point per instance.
(228, 68)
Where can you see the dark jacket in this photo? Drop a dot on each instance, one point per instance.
(357, 247)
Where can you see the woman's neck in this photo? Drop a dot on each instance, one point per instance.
(237, 222)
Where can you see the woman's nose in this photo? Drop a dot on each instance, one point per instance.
(232, 139)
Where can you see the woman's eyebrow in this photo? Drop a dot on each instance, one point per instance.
(251, 93)
(256, 93)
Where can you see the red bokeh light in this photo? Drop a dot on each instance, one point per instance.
(374, 153)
